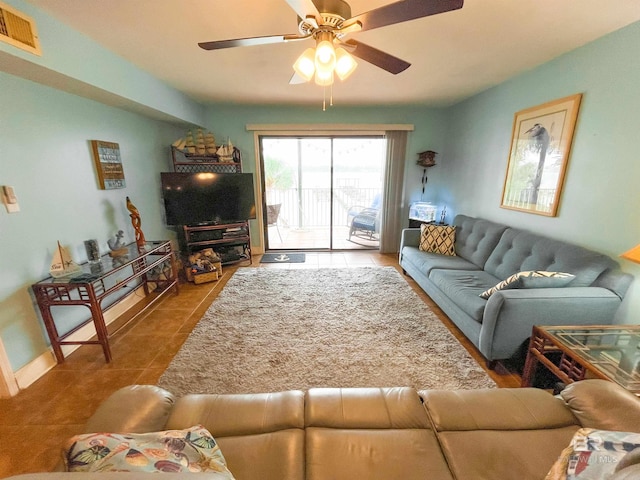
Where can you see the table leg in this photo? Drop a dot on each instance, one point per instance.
(101, 326)
(530, 365)
(53, 332)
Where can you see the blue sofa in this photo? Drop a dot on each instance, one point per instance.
(487, 253)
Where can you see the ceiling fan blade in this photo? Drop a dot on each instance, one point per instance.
(304, 8)
(377, 57)
(247, 42)
(296, 79)
(403, 11)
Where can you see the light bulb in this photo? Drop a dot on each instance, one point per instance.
(345, 64)
(324, 77)
(304, 65)
(325, 53)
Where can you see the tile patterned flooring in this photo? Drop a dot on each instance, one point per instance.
(39, 419)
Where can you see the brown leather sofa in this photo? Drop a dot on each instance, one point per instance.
(378, 433)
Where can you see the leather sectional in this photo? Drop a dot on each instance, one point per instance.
(376, 433)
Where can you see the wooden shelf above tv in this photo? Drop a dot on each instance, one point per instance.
(185, 163)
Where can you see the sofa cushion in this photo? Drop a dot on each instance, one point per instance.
(372, 433)
(425, 261)
(258, 432)
(464, 288)
(533, 279)
(240, 414)
(394, 407)
(519, 250)
(506, 433)
(476, 238)
(190, 450)
(438, 239)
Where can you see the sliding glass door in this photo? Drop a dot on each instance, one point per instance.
(322, 193)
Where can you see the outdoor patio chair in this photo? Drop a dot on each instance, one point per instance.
(273, 212)
(364, 222)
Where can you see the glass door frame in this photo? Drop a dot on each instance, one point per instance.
(332, 136)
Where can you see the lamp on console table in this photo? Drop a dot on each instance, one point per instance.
(633, 254)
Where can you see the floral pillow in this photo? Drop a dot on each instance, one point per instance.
(190, 450)
(531, 279)
(597, 454)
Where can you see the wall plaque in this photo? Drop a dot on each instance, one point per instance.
(108, 164)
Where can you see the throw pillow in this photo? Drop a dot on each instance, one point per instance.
(438, 239)
(596, 454)
(190, 450)
(531, 279)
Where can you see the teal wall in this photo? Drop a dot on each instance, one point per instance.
(601, 194)
(46, 156)
(429, 129)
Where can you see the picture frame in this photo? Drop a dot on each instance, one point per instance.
(541, 142)
(106, 156)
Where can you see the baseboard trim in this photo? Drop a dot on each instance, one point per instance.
(35, 369)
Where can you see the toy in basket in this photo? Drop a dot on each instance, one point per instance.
(204, 266)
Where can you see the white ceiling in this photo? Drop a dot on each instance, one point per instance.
(453, 55)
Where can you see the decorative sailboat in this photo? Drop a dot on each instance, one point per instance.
(225, 152)
(62, 264)
(210, 143)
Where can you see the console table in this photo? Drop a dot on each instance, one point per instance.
(97, 282)
(610, 352)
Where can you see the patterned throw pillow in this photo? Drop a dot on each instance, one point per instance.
(597, 454)
(531, 279)
(438, 239)
(190, 450)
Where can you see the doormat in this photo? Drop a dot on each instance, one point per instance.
(283, 258)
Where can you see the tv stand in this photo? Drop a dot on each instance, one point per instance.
(230, 241)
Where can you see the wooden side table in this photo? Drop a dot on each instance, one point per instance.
(96, 283)
(610, 352)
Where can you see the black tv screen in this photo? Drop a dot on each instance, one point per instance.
(196, 198)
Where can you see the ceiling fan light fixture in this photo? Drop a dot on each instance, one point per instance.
(305, 64)
(325, 51)
(324, 78)
(345, 64)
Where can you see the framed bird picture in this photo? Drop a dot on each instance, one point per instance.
(540, 146)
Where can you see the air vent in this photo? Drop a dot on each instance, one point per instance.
(18, 29)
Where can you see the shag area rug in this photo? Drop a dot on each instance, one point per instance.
(271, 330)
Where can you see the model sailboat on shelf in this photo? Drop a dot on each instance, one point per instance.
(62, 264)
(225, 152)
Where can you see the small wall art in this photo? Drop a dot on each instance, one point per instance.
(108, 165)
(540, 146)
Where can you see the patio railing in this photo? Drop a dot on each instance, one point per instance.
(311, 207)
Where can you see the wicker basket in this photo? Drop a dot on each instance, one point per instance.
(205, 277)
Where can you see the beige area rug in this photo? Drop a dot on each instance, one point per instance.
(271, 330)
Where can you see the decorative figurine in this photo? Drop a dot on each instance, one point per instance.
(443, 215)
(136, 221)
(117, 245)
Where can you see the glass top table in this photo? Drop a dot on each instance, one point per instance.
(611, 352)
(103, 285)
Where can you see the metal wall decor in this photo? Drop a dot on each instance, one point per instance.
(426, 159)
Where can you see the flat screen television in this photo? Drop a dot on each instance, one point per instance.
(200, 198)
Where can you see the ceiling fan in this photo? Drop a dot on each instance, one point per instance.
(329, 22)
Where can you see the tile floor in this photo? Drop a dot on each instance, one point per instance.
(36, 422)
